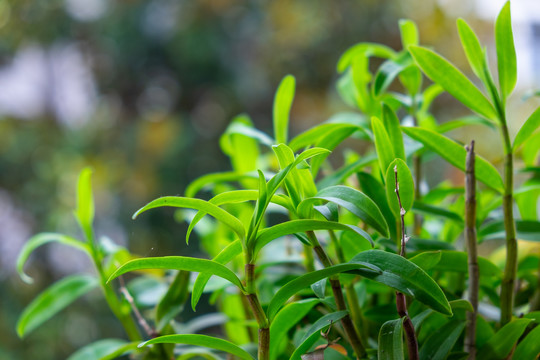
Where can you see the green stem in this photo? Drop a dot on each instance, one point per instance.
(122, 313)
(401, 301)
(346, 321)
(258, 313)
(350, 293)
(510, 270)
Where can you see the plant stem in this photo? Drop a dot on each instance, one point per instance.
(470, 237)
(350, 294)
(510, 270)
(401, 301)
(258, 312)
(346, 321)
(110, 296)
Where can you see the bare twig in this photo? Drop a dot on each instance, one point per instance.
(140, 319)
(401, 301)
(470, 237)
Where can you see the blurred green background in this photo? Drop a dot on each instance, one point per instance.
(141, 91)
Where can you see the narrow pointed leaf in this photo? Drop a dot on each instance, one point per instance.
(385, 149)
(452, 80)
(301, 282)
(41, 239)
(179, 263)
(197, 204)
(525, 230)
(236, 196)
(313, 333)
(53, 300)
(201, 340)
(464, 121)
(351, 199)
(529, 348)
(85, 202)
(439, 344)
(455, 154)
(388, 71)
(391, 340)
(506, 52)
(406, 187)
(288, 317)
(302, 225)
(205, 181)
(402, 275)
(377, 192)
(527, 129)
(471, 46)
(225, 256)
(409, 33)
(500, 344)
(172, 302)
(282, 108)
(426, 209)
(364, 50)
(102, 349)
(392, 126)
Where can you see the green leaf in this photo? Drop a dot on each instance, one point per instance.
(388, 71)
(201, 340)
(85, 203)
(500, 344)
(337, 177)
(392, 126)
(527, 129)
(41, 239)
(302, 225)
(237, 143)
(312, 136)
(313, 333)
(303, 281)
(426, 260)
(198, 204)
(216, 178)
(172, 302)
(363, 50)
(529, 347)
(439, 344)
(285, 320)
(409, 33)
(225, 256)
(391, 340)
(406, 187)
(282, 108)
(526, 230)
(426, 209)
(53, 300)
(385, 149)
(236, 196)
(102, 349)
(351, 199)
(453, 81)
(455, 154)
(472, 47)
(464, 121)
(506, 52)
(404, 276)
(457, 261)
(179, 263)
(377, 192)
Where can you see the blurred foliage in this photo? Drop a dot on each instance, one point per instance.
(169, 76)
